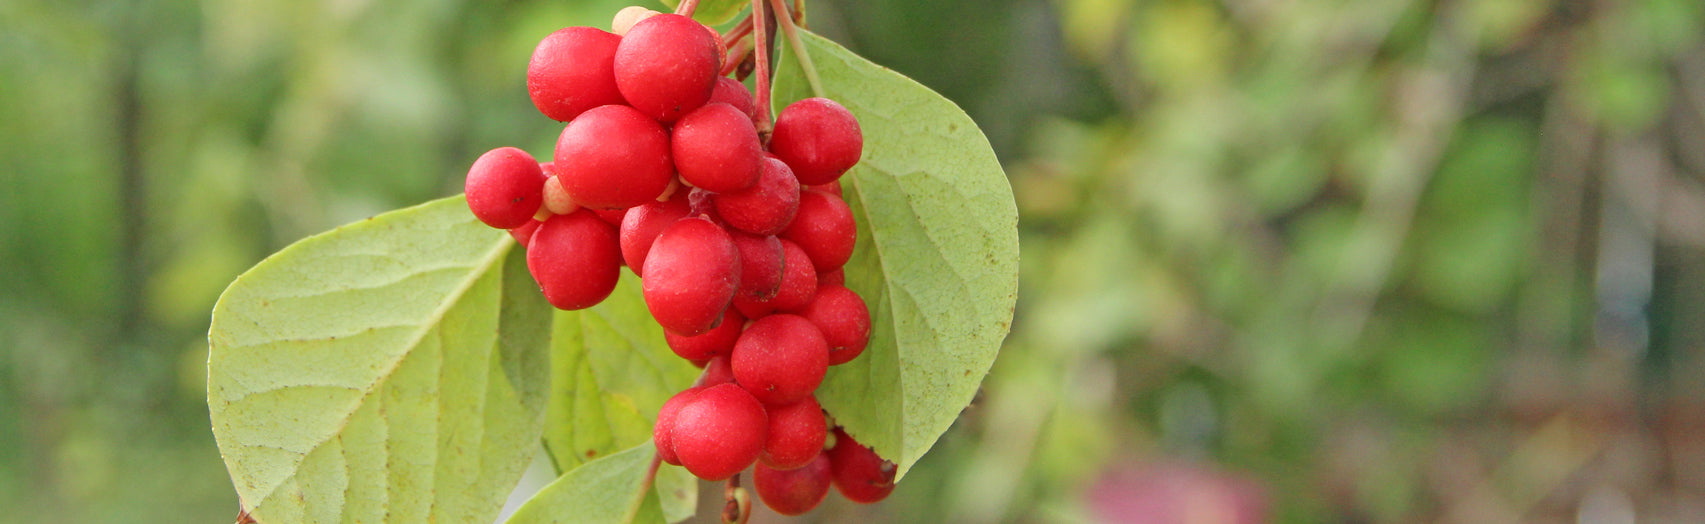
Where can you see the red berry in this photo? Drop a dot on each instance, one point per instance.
(818, 138)
(833, 277)
(859, 474)
(842, 317)
(732, 92)
(824, 227)
(798, 285)
(718, 371)
(716, 342)
(611, 216)
(613, 157)
(524, 234)
(796, 491)
(719, 432)
(641, 226)
(690, 276)
(504, 188)
(573, 70)
(767, 207)
(715, 148)
(760, 265)
(780, 359)
(664, 429)
(833, 188)
(575, 260)
(797, 432)
(666, 66)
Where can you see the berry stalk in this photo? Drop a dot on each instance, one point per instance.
(760, 37)
(687, 7)
(797, 44)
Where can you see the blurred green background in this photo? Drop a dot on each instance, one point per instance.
(1283, 260)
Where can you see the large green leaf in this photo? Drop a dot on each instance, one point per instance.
(611, 371)
(391, 370)
(714, 12)
(936, 260)
(608, 490)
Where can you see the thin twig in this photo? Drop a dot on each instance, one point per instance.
(687, 7)
(760, 37)
(797, 44)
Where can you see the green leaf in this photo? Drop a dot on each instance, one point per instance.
(609, 490)
(389, 370)
(714, 12)
(936, 260)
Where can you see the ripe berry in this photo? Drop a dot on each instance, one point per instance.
(796, 491)
(798, 285)
(575, 260)
(842, 317)
(666, 66)
(718, 371)
(524, 234)
(504, 188)
(613, 157)
(719, 432)
(833, 188)
(780, 359)
(833, 277)
(824, 227)
(610, 216)
(690, 276)
(573, 70)
(732, 92)
(859, 474)
(760, 265)
(641, 226)
(767, 207)
(818, 138)
(716, 342)
(715, 148)
(797, 432)
(662, 432)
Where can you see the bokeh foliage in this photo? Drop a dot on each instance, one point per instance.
(1390, 260)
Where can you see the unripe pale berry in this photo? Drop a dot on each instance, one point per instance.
(575, 260)
(573, 70)
(732, 92)
(715, 148)
(844, 320)
(613, 157)
(628, 16)
(797, 432)
(859, 474)
(798, 285)
(824, 227)
(760, 265)
(666, 66)
(505, 188)
(557, 199)
(690, 276)
(768, 206)
(818, 138)
(716, 342)
(524, 234)
(719, 432)
(796, 491)
(641, 226)
(780, 359)
(664, 429)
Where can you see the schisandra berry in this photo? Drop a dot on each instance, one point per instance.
(504, 188)
(628, 16)
(524, 234)
(718, 371)
(796, 491)
(760, 265)
(859, 474)
(641, 226)
(557, 200)
(833, 188)
(797, 432)
(780, 359)
(575, 260)
(690, 276)
(732, 92)
(768, 206)
(833, 277)
(666, 66)
(573, 70)
(665, 426)
(613, 157)
(716, 148)
(716, 342)
(842, 317)
(611, 216)
(818, 138)
(719, 432)
(798, 285)
(825, 228)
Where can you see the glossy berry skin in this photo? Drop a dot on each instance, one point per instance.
(690, 276)
(732, 92)
(613, 157)
(780, 359)
(524, 234)
(859, 474)
(716, 342)
(664, 429)
(641, 226)
(797, 432)
(796, 491)
(612, 216)
(824, 227)
(844, 320)
(718, 371)
(818, 138)
(768, 206)
(575, 260)
(761, 266)
(798, 285)
(719, 432)
(666, 66)
(573, 70)
(716, 149)
(505, 188)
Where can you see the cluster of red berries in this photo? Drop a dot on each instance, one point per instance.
(739, 244)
